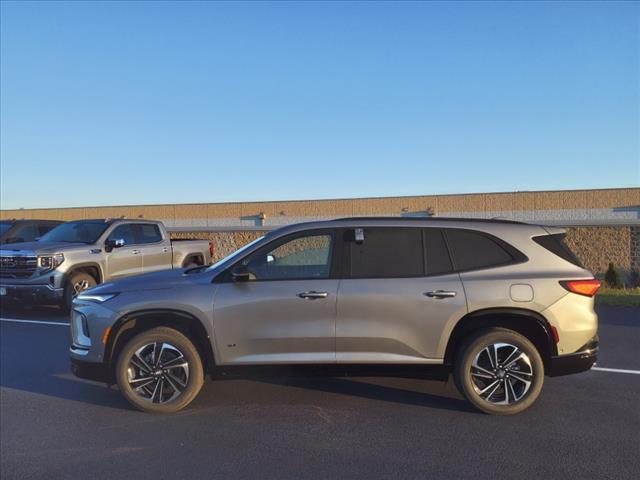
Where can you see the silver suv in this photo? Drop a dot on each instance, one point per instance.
(498, 304)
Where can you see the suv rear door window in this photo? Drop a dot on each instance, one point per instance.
(438, 260)
(474, 250)
(387, 253)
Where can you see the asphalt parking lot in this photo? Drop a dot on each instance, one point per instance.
(56, 426)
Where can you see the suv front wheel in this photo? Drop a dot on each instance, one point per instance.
(159, 371)
(499, 371)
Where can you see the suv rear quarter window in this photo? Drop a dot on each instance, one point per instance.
(556, 245)
(474, 250)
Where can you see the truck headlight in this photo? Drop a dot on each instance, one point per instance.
(50, 262)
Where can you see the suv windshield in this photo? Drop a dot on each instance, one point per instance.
(76, 232)
(233, 254)
(4, 226)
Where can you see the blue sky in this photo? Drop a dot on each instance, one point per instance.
(128, 103)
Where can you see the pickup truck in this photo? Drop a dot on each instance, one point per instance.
(78, 255)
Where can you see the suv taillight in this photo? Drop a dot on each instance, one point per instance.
(588, 288)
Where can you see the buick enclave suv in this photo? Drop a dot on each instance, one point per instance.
(497, 304)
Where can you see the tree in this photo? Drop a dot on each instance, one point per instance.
(612, 277)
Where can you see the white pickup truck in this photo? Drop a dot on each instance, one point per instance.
(78, 255)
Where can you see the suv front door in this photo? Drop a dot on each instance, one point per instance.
(400, 297)
(285, 312)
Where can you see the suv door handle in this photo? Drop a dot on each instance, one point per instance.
(440, 294)
(313, 295)
(135, 252)
(165, 250)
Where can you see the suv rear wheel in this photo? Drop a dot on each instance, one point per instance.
(159, 371)
(499, 371)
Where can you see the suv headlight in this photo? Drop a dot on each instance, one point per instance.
(95, 297)
(50, 262)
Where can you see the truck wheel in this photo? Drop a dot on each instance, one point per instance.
(499, 371)
(159, 371)
(77, 283)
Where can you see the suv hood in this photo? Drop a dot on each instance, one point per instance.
(148, 281)
(40, 247)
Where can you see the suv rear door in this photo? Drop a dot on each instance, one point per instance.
(399, 298)
(285, 312)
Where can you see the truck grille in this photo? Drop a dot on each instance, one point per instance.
(17, 266)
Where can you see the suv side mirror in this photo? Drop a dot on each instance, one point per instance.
(240, 273)
(110, 244)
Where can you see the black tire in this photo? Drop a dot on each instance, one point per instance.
(494, 387)
(174, 399)
(76, 283)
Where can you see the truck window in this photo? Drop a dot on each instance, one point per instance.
(124, 232)
(26, 233)
(76, 232)
(149, 233)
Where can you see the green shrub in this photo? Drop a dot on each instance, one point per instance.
(612, 277)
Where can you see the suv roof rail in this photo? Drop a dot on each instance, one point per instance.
(436, 219)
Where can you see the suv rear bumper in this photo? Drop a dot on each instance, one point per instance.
(577, 362)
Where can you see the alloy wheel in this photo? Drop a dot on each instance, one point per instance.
(79, 287)
(501, 373)
(158, 372)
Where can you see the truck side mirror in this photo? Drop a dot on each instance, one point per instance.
(110, 244)
(240, 274)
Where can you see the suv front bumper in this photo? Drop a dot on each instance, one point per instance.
(577, 362)
(95, 371)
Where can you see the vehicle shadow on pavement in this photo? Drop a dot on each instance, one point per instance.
(66, 387)
(431, 394)
(20, 312)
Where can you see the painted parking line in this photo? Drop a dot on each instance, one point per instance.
(40, 322)
(616, 370)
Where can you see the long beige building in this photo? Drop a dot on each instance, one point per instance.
(603, 224)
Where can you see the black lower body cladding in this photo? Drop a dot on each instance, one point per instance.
(577, 362)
